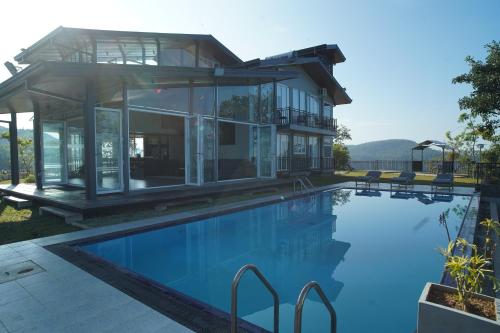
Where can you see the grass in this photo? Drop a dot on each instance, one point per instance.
(27, 224)
(24, 224)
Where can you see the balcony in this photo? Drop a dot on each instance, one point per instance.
(290, 116)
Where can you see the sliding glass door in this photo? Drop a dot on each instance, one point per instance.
(267, 149)
(108, 150)
(53, 143)
(75, 152)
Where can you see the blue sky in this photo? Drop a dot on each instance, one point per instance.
(401, 54)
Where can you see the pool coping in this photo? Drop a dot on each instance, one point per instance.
(182, 308)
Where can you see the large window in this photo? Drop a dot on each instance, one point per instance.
(299, 144)
(108, 150)
(207, 60)
(238, 103)
(75, 151)
(298, 99)
(237, 151)
(127, 51)
(312, 105)
(169, 99)
(156, 149)
(283, 153)
(53, 152)
(266, 102)
(314, 151)
(174, 53)
(204, 100)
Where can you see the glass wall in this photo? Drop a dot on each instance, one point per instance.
(208, 134)
(237, 151)
(53, 152)
(75, 152)
(282, 151)
(314, 151)
(204, 100)
(108, 150)
(299, 145)
(238, 103)
(168, 99)
(177, 53)
(266, 150)
(193, 149)
(156, 148)
(266, 103)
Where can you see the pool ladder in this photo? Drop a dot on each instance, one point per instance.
(302, 184)
(298, 306)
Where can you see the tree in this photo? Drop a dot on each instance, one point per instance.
(26, 155)
(483, 103)
(464, 143)
(340, 151)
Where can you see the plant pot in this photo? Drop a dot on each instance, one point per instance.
(437, 318)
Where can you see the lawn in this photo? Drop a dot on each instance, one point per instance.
(27, 224)
(24, 224)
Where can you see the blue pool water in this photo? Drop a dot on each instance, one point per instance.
(371, 255)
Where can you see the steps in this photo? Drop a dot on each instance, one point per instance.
(17, 202)
(68, 216)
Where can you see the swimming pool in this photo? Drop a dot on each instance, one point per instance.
(371, 252)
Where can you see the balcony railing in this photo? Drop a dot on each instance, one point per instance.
(287, 164)
(287, 116)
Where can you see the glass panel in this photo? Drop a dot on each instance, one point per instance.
(283, 154)
(193, 150)
(266, 153)
(156, 149)
(314, 151)
(207, 60)
(175, 53)
(75, 148)
(299, 144)
(295, 99)
(327, 146)
(204, 100)
(168, 99)
(109, 52)
(53, 152)
(238, 102)
(208, 150)
(282, 96)
(302, 100)
(266, 103)
(237, 157)
(328, 111)
(313, 105)
(108, 150)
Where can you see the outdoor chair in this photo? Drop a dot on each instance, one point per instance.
(404, 179)
(442, 180)
(371, 177)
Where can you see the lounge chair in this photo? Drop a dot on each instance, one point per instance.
(371, 177)
(442, 180)
(404, 179)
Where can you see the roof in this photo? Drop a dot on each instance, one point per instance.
(316, 70)
(430, 143)
(332, 51)
(218, 47)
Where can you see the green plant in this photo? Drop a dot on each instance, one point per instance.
(469, 272)
(491, 225)
(30, 179)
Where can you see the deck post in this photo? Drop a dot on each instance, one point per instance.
(14, 150)
(37, 144)
(125, 134)
(89, 130)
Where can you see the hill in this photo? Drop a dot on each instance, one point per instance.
(393, 149)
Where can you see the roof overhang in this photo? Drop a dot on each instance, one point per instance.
(66, 80)
(432, 143)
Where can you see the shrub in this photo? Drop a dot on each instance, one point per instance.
(29, 179)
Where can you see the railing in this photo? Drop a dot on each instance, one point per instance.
(434, 166)
(300, 305)
(287, 116)
(487, 172)
(286, 164)
(234, 297)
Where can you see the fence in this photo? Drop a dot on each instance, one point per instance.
(406, 165)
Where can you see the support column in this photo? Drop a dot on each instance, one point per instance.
(89, 130)
(14, 150)
(37, 144)
(125, 133)
(216, 133)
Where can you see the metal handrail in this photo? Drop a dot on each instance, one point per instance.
(300, 305)
(234, 297)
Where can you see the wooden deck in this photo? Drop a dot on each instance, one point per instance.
(74, 198)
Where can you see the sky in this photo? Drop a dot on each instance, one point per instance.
(401, 54)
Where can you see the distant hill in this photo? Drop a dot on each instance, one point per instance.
(393, 149)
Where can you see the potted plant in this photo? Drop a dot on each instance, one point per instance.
(462, 309)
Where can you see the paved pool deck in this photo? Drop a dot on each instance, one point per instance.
(65, 298)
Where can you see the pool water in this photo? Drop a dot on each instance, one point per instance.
(371, 253)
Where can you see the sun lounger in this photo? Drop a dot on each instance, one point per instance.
(404, 179)
(442, 180)
(371, 177)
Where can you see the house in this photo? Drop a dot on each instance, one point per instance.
(135, 112)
